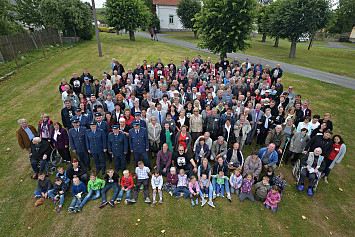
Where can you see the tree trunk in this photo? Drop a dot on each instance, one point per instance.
(311, 41)
(276, 42)
(293, 48)
(195, 35)
(131, 35)
(264, 38)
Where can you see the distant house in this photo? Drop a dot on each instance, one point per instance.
(166, 12)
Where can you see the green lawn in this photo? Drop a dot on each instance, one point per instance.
(34, 90)
(320, 58)
(348, 44)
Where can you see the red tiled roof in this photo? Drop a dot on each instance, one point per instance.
(166, 2)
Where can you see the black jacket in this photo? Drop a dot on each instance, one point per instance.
(67, 114)
(81, 171)
(319, 141)
(40, 149)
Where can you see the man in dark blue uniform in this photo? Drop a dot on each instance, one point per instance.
(77, 140)
(97, 146)
(139, 143)
(117, 144)
(137, 116)
(84, 120)
(104, 126)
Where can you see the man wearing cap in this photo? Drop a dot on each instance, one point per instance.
(137, 116)
(97, 146)
(117, 144)
(77, 141)
(87, 88)
(83, 119)
(67, 114)
(88, 75)
(92, 104)
(139, 143)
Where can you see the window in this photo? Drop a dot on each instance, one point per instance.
(171, 19)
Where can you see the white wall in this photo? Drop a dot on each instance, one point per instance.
(163, 13)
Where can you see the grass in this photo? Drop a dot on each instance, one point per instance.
(34, 90)
(319, 58)
(178, 33)
(30, 57)
(348, 44)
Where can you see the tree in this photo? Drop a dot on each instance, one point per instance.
(29, 12)
(262, 27)
(296, 17)
(344, 17)
(225, 25)
(186, 11)
(270, 23)
(73, 17)
(154, 21)
(127, 14)
(7, 20)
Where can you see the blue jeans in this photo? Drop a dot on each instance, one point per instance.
(137, 157)
(37, 193)
(99, 159)
(52, 196)
(226, 185)
(162, 166)
(90, 197)
(120, 162)
(107, 187)
(128, 194)
(182, 189)
(210, 191)
(220, 187)
(75, 202)
(34, 164)
(273, 209)
(155, 36)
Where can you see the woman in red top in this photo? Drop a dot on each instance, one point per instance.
(183, 138)
(82, 99)
(128, 117)
(335, 156)
(109, 120)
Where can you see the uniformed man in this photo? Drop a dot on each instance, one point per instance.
(104, 126)
(84, 120)
(117, 144)
(137, 116)
(97, 146)
(139, 143)
(77, 141)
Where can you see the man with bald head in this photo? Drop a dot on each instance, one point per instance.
(268, 156)
(278, 137)
(40, 152)
(276, 73)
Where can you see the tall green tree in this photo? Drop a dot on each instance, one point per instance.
(344, 17)
(128, 15)
(186, 11)
(296, 17)
(270, 23)
(7, 19)
(29, 12)
(262, 29)
(225, 25)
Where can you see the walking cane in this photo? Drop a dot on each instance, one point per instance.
(257, 134)
(283, 153)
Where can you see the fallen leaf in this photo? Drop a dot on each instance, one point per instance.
(262, 209)
(139, 220)
(225, 233)
(326, 217)
(8, 149)
(30, 228)
(287, 227)
(340, 189)
(330, 233)
(303, 217)
(163, 231)
(136, 224)
(230, 233)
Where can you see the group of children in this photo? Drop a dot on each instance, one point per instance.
(268, 190)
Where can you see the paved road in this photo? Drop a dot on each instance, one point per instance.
(298, 70)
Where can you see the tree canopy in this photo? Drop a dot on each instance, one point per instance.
(186, 11)
(7, 19)
(127, 15)
(225, 25)
(344, 17)
(29, 12)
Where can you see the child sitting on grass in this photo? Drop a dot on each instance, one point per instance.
(112, 181)
(78, 190)
(157, 183)
(57, 194)
(220, 182)
(94, 186)
(247, 186)
(204, 182)
(194, 190)
(62, 174)
(172, 179)
(236, 181)
(181, 189)
(273, 198)
(280, 182)
(44, 185)
(261, 189)
(142, 175)
(126, 186)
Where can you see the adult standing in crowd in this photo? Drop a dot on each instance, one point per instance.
(139, 143)
(77, 141)
(25, 134)
(61, 141)
(335, 156)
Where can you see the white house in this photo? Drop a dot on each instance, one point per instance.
(166, 12)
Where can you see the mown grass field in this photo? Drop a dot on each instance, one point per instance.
(325, 59)
(34, 90)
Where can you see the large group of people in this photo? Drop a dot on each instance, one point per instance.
(191, 120)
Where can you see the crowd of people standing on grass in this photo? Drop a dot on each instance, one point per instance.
(192, 120)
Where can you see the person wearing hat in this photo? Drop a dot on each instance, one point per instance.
(87, 88)
(105, 127)
(137, 117)
(117, 144)
(83, 119)
(77, 141)
(139, 143)
(97, 146)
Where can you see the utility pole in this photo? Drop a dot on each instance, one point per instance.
(96, 28)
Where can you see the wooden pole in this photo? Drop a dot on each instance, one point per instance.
(40, 40)
(13, 53)
(96, 28)
(60, 37)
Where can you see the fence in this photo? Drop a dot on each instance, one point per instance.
(21, 43)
